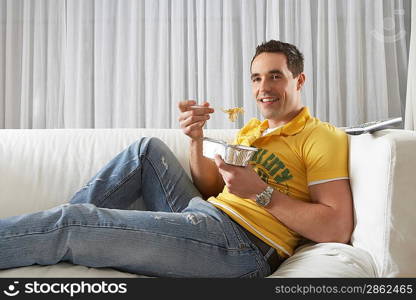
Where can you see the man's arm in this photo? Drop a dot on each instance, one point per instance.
(204, 172)
(328, 218)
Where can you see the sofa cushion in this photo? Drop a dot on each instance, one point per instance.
(311, 260)
(64, 270)
(382, 167)
(327, 260)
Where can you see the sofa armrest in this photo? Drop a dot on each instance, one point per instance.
(382, 167)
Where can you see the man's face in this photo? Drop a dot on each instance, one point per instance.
(276, 91)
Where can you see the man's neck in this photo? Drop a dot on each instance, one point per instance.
(287, 119)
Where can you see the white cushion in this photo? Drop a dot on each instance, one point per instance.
(327, 260)
(382, 171)
(62, 270)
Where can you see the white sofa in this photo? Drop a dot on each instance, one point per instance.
(41, 169)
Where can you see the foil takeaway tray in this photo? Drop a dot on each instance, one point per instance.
(237, 155)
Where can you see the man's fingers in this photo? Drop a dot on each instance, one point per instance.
(191, 105)
(191, 116)
(185, 104)
(200, 110)
(192, 120)
(219, 162)
(194, 126)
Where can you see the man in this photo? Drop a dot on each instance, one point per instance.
(311, 197)
(297, 187)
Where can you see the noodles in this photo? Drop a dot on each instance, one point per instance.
(233, 113)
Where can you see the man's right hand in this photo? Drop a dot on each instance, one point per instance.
(204, 172)
(192, 119)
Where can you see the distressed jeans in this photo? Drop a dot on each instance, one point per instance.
(174, 234)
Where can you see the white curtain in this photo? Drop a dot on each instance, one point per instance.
(410, 117)
(109, 63)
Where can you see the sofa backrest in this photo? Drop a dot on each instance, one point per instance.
(43, 168)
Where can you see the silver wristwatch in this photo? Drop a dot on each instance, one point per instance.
(264, 198)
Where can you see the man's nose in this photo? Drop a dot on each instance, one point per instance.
(264, 86)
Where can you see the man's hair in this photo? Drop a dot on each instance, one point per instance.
(293, 56)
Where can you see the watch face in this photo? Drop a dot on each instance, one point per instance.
(266, 201)
(264, 197)
(261, 200)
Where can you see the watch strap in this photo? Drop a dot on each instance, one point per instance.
(264, 198)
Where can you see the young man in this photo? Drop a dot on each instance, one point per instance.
(301, 165)
(253, 218)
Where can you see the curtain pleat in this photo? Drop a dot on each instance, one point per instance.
(109, 63)
(410, 115)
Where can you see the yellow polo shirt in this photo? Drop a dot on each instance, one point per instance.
(303, 152)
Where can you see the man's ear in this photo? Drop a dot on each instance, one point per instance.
(301, 80)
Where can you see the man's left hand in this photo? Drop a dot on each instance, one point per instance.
(240, 181)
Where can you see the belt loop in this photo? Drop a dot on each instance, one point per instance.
(269, 253)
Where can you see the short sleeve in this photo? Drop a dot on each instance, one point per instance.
(326, 154)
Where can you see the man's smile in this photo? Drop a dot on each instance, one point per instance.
(267, 99)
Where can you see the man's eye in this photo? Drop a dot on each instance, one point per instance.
(255, 79)
(275, 76)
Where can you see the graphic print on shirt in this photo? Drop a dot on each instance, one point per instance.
(271, 169)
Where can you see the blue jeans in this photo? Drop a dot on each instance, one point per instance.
(177, 235)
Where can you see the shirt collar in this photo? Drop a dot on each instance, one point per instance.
(295, 125)
(254, 128)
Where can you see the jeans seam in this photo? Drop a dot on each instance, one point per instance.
(117, 186)
(103, 226)
(237, 233)
(251, 274)
(260, 258)
(153, 164)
